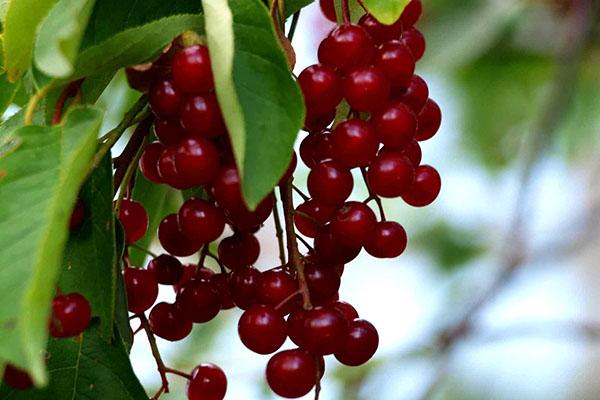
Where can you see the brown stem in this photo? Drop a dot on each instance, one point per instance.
(346, 11)
(278, 231)
(162, 369)
(304, 242)
(373, 196)
(126, 158)
(301, 193)
(69, 91)
(287, 299)
(177, 372)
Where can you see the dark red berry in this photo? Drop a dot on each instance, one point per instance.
(192, 71)
(366, 89)
(317, 122)
(164, 99)
(346, 47)
(311, 215)
(426, 187)
(173, 240)
(413, 152)
(295, 326)
(291, 373)
(290, 170)
(315, 148)
(168, 131)
(244, 285)
(275, 287)
(323, 282)
(330, 183)
(321, 87)
(196, 161)
(167, 269)
(379, 32)
(346, 310)
(430, 119)
(201, 220)
(201, 116)
(142, 289)
(388, 240)
(396, 125)
(359, 345)
(222, 284)
(167, 170)
(149, 162)
(199, 301)
(16, 378)
(414, 40)
(415, 95)
(328, 9)
(411, 13)
(188, 274)
(208, 382)
(262, 329)
(71, 314)
(396, 62)
(391, 174)
(77, 216)
(203, 274)
(239, 250)
(329, 250)
(167, 322)
(134, 218)
(324, 330)
(354, 143)
(353, 224)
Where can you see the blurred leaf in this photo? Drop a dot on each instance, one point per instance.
(291, 6)
(386, 11)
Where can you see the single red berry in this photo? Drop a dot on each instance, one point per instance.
(415, 95)
(275, 287)
(328, 9)
(203, 274)
(324, 330)
(396, 125)
(321, 87)
(388, 240)
(330, 183)
(430, 119)
(291, 373)
(201, 220)
(390, 175)
(396, 62)
(239, 250)
(192, 71)
(168, 131)
(316, 148)
(426, 188)
(188, 274)
(366, 89)
(16, 378)
(359, 345)
(142, 289)
(208, 382)
(347, 46)
(329, 250)
(323, 282)
(199, 301)
(412, 151)
(262, 329)
(244, 285)
(196, 161)
(379, 32)
(167, 322)
(412, 13)
(353, 224)
(311, 215)
(290, 170)
(354, 143)
(168, 171)
(71, 314)
(173, 240)
(317, 122)
(164, 99)
(167, 269)
(346, 309)
(201, 116)
(222, 282)
(134, 218)
(414, 40)
(77, 216)
(295, 326)
(149, 162)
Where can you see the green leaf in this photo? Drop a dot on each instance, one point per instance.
(8, 89)
(85, 368)
(20, 26)
(122, 314)
(291, 6)
(262, 104)
(38, 191)
(90, 260)
(386, 11)
(60, 36)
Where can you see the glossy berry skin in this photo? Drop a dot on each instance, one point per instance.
(239, 250)
(396, 62)
(244, 285)
(396, 125)
(208, 383)
(192, 71)
(379, 32)
(168, 131)
(295, 326)
(71, 314)
(134, 218)
(414, 40)
(199, 301)
(77, 216)
(354, 143)
(167, 170)
(346, 309)
(173, 240)
(318, 215)
(203, 274)
(291, 373)
(412, 151)
(167, 269)
(426, 188)
(149, 162)
(347, 46)
(388, 240)
(276, 286)
(415, 95)
(16, 378)
(328, 9)
(196, 161)
(321, 87)
(222, 282)
(323, 282)
(359, 345)
(317, 122)
(201, 116)
(412, 13)
(330, 250)
(353, 224)
(324, 330)
(390, 175)
(142, 289)
(316, 148)
(430, 119)
(164, 99)
(201, 220)
(330, 183)
(167, 322)
(366, 89)
(262, 329)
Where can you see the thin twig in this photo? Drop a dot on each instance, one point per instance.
(293, 26)
(130, 155)
(33, 102)
(372, 195)
(305, 243)
(177, 372)
(156, 354)
(346, 11)
(278, 231)
(304, 196)
(143, 250)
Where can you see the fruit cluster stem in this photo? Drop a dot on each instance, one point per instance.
(373, 196)
(162, 368)
(346, 11)
(278, 231)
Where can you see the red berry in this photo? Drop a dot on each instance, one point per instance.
(142, 289)
(16, 378)
(411, 13)
(396, 125)
(222, 284)
(275, 287)
(396, 62)
(415, 95)
(291, 373)
(71, 314)
(189, 272)
(430, 119)
(239, 250)
(262, 329)
(295, 326)
(315, 215)
(354, 143)
(388, 240)
(203, 274)
(196, 161)
(366, 89)
(201, 116)
(167, 170)
(414, 40)
(347, 46)
(346, 310)
(168, 131)
(379, 32)
(426, 188)
(167, 269)
(329, 250)
(201, 220)
(164, 99)
(321, 87)
(77, 216)
(390, 175)
(412, 151)
(315, 148)
(149, 162)
(317, 122)
(191, 70)
(134, 218)
(289, 171)
(324, 330)
(353, 224)
(173, 240)
(330, 183)
(208, 382)
(323, 282)
(359, 345)
(328, 9)
(244, 285)
(167, 322)
(199, 301)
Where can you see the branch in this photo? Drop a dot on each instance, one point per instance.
(162, 369)
(278, 231)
